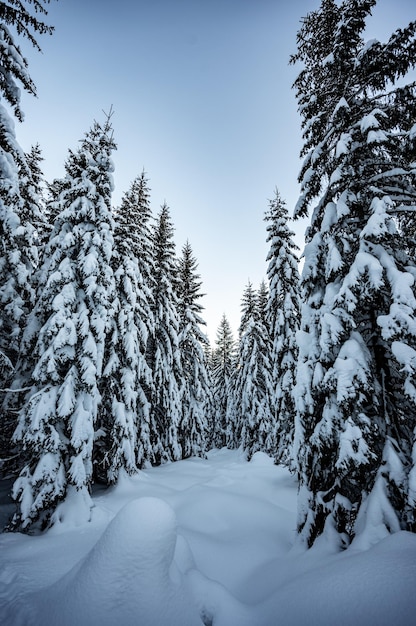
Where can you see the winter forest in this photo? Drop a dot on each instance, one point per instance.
(105, 370)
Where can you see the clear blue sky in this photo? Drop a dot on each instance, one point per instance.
(202, 99)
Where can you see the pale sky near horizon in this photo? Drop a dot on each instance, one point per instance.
(202, 99)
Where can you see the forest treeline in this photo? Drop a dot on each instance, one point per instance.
(104, 366)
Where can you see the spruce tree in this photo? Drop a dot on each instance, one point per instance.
(32, 189)
(253, 388)
(235, 418)
(209, 408)
(28, 251)
(223, 364)
(35, 192)
(356, 376)
(66, 339)
(262, 302)
(163, 346)
(282, 315)
(125, 415)
(18, 214)
(194, 386)
(248, 308)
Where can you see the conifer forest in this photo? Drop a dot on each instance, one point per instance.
(105, 368)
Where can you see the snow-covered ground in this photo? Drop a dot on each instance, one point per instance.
(201, 542)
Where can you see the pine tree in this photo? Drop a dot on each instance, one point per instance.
(127, 444)
(18, 254)
(66, 339)
(356, 376)
(194, 389)
(163, 346)
(283, 314)
(223, 364)
(253, 389)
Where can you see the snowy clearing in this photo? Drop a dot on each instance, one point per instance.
(201, 542)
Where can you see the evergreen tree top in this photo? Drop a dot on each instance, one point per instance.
(189, 283)
(165, 264)
(224, 335)
(277, 217)
(133, 217)
(262, 302)
(223, 353)
(137, 198)
(163, 241)
(92, 161)
(34, 159)
(85, 194)
(249, 308)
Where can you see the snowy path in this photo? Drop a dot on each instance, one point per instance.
(236, 516)
(201, 537)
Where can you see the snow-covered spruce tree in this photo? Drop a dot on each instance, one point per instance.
(125, 414)
(30, 245)
(163, 354)
(33, 210)
(54, 190)
(235, 417)
(36, 194)
(283, 317)
(222, 369)
(356, 377)
(18, 250)
(194, 385)
(209, 409)
(32, 190)
(66, 337)
(253, 388)
(262, 302)
(248, 308)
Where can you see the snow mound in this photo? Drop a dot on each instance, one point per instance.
(358, 588)
(261, 458)
(129, 577)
